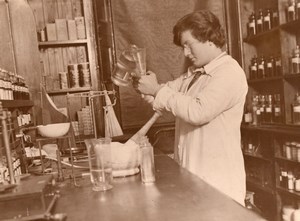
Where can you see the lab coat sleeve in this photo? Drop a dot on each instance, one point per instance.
(224, 90)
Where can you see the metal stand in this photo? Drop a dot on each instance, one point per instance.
(90, 95)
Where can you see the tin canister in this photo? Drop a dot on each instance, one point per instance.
(84, 72)
(63, 80)
(73, 75)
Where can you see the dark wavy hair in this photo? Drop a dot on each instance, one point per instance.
(204, 26)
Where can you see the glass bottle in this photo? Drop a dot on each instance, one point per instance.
(255, 109)
(267, 20)
(259, 21)
(298, 10)
(268, 109)
(251, 25)
(296, 61)
(253, 68)
(296, 110)
(261, 67)
(275, 18)
(262, 105)
(278, 67)
(147, 161)
(291, 11)
(277, 114)
(270, 67)
(247, 115)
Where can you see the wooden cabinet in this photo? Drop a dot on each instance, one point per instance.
(268, 45)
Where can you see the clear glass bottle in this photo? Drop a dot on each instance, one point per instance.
(247, 115)
(260, 21)
(147, 161)
(252, 25)
(277, 113)
(296, 110)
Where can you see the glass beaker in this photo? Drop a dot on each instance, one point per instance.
(99, 153)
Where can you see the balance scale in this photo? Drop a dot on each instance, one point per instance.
(32, 199)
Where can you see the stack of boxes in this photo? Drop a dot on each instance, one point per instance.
(85, 121)
(63, 29)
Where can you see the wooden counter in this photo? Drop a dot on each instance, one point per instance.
(177, 195)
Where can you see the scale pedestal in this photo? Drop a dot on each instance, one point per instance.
(31, 198)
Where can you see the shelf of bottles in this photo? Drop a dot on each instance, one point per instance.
(12, 86)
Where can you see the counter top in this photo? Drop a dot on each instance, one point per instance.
(177, 195)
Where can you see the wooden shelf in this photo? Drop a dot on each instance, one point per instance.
(291, 25)
(62, 43)
(291, 76)
(289, 192)
(259, 186)
(286, 160)
(265, 80)
(69, 90)
(16, 103)
(257, 156)
(275, 128)
(256, 37)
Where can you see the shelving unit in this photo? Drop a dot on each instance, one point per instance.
(17, 107)
(56, 55)
(280, 41)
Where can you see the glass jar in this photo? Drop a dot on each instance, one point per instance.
(277, 114)
(291, 11)
(252, 25)
(296, 110)
(294, 151)
(288, 150)
(267, 20)
(259, 21)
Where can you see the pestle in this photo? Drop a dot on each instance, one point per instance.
(144, 129)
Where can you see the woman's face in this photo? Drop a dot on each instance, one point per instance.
(196, 51)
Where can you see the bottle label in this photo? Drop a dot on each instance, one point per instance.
(291, 8)
(277, 109)
(258, 112)
(269, 65)
(251, 25)
(268, 109)
(253, 68)
(267, 18)
(278, 63)
(298, 5)
(261, 66)
(296, 109)
(259, 21)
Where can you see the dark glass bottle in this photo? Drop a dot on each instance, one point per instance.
(296, 61)
(277, 113)
(252, 25)
(275, 18)
(261, 67)
(278, 66)
(262, 105)
(291, 11)
(260, 21)
(253, 68)
(255, 111)
(268, 109)
(267, 20)
(298, 10)
(270, 67)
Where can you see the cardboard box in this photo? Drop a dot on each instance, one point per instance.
(51, 32)
(61, 29)
(80, 27)
(72, 32)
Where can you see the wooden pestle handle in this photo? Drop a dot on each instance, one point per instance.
(145, 128)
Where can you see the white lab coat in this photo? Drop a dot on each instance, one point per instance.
(208, 118)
